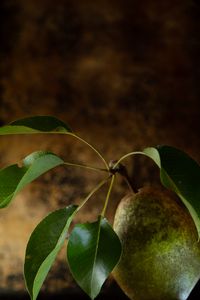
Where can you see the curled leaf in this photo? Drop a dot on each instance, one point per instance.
(14, 178)
(35, 124)
(180, 173)
(43, 247)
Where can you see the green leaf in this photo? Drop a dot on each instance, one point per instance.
(14, 178)
(43, 247)
(180, 173)
(93, 251)
(35, 124)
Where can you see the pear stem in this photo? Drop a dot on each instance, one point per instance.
(129, 181)
(121, 169)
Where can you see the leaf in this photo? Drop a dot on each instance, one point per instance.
(43, 247)
(35, 124)
(14, 178)
(93, 251)
(180, 173)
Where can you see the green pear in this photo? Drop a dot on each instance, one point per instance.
(161, 252)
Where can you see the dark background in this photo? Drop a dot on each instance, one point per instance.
(123, 74)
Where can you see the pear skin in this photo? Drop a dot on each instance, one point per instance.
(161, 252)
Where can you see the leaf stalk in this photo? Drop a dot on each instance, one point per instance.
(108, 195)
(98, 186)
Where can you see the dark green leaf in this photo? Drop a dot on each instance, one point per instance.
(43, 247)
(14, 178)
(35, 124)
(93, 251)
(180, 173)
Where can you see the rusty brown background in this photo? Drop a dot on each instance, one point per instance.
(123, 74)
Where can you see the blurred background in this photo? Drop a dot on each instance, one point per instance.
(123, 74)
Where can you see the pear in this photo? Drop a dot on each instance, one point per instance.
(161, 253)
